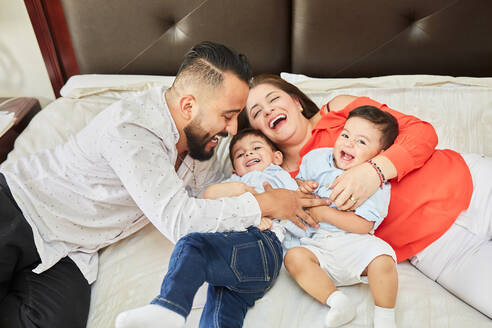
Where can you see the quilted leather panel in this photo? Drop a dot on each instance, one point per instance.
(353, 38)
(151, 36)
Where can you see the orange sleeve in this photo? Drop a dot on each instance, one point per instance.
(415, 143)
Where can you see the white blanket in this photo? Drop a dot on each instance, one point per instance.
(131, 271)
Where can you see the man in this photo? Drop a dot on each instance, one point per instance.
(136, 160)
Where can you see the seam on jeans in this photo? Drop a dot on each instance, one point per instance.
(172, 303)
(217, 308)
(246, 291)
(265, 261)
(276, 258)
(259, 244)
(179, 248)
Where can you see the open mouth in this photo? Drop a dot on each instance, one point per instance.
(252, 162)
(274, 122)
(213, 141)
(346, 156)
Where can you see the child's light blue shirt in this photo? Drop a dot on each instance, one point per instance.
(274, 174)
(278, 178)
(318, 165)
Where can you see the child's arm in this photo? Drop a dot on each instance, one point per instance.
(227, 189)
(265, 224)
(347, 221)
(307, 186)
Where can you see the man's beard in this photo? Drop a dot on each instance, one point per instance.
(197, 139)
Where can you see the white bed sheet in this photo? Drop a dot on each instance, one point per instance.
(131, 270)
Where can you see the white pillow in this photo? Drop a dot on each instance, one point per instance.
(460, 109)
(88, 84)
(311, 84)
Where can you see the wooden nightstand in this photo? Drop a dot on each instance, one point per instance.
(24, 110)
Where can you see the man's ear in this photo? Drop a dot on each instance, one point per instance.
(278, 157)
(187, 106)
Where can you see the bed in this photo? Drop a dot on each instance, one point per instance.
(431, 59)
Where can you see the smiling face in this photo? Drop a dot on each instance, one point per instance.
(274, 112)
(253, 153)
(216, 116)
(359, 141)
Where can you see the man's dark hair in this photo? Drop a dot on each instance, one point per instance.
(386, 123)
(248, 132)
(208, 60)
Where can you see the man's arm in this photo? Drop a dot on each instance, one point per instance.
(147, 172)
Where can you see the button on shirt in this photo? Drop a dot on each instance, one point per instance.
(318, 165)
(104, 182)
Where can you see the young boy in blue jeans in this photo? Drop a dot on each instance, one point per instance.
(238, 266)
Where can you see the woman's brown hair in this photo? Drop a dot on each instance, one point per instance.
(308, 106)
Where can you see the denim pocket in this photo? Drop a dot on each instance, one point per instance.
(249, 262)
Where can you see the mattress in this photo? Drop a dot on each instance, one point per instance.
(130, 271)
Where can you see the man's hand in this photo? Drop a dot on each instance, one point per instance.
(287, 204)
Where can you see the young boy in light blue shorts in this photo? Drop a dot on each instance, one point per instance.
(343, 251)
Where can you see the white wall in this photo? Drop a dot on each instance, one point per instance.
(22, 70)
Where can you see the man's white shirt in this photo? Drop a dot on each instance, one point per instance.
(104, 182)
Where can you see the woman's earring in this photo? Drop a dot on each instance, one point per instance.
(301, 109)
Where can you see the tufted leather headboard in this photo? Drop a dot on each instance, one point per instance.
(329, 38)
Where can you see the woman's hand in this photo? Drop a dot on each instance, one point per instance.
(354, 186)
(307, 186)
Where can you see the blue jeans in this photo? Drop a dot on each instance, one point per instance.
(238, 266)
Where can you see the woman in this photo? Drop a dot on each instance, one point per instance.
(440, 213)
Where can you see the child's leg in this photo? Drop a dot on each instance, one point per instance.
(224, 308)
(383, 281)
(256, 262)
(247, 261)
(305, 268)
(186, 273)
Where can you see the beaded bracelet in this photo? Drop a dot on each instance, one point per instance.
(379, 172)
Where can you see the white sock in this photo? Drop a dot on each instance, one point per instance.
(341, 310)
(384, 317)
(149, 316)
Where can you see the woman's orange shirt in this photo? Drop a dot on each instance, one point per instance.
(432, 186)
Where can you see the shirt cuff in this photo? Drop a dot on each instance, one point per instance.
(254, 208)
(401, 159)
